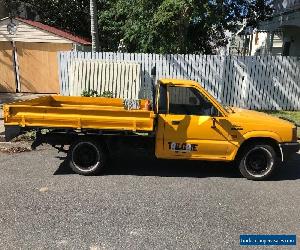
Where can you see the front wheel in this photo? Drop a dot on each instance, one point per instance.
(258, 162)
(87, 157)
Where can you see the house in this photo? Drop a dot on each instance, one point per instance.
(283, 29)
(28, 55)
(249, 42)
(256, 42)
(279, 35)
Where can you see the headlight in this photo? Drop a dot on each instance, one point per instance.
(295, 136)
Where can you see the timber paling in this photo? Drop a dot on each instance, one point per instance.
(254, 82)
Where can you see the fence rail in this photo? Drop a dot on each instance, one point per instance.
(263, 83)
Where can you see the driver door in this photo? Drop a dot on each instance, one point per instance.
(186, 127)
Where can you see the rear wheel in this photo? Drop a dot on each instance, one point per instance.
(87, 157)
(258, 162)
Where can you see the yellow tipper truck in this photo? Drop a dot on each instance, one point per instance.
(186, 123)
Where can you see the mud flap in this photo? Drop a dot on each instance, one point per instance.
(11, 132)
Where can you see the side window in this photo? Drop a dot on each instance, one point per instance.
(188, 101)
(162, 100)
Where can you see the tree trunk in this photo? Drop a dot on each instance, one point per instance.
(94, 26)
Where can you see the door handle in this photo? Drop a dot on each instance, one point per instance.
(175, 122)
(214, 123)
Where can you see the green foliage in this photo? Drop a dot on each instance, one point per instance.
(176, 26)
(70, 15)
(160, 26)
(107, 94)
(28, 136)
(89, 93)
(94, 93)
(292, 115)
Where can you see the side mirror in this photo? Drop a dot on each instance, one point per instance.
(214, 111)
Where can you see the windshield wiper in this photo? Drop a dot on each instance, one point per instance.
(229, 108)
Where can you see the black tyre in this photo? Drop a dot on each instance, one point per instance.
(87, 157)
(258, 162)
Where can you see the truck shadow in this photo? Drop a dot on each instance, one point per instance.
(171, 168)
(162, 168)
(131, 164)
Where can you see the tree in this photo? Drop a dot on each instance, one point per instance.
(70, 15)
(176, 26)
(161, 26)
(94, 26)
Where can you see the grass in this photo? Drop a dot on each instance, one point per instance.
(293, 115)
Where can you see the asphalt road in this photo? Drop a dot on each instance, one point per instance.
(140, 204)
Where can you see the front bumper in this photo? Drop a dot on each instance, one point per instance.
(288, 149)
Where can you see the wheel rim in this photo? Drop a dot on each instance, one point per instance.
(85, 156)
(258, 162)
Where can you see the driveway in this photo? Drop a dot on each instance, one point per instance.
(140, 203)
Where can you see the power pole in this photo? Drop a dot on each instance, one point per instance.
(94, 26)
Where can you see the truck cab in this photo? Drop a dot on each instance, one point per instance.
(193, 125)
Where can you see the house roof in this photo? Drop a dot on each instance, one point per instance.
(56, 31)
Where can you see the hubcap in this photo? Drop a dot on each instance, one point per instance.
(258, 161)
(85, 156)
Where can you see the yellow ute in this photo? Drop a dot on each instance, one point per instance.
(186, 122)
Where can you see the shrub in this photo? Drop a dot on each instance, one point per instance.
(94, 93)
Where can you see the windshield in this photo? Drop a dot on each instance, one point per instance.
(217, 97)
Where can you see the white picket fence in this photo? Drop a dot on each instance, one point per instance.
(263, 83)
(116, 77)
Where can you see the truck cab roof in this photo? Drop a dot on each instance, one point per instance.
(171, 81)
